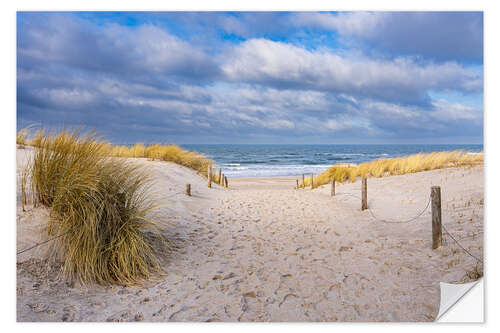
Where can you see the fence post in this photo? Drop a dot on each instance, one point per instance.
(437, 233)
(312, 182)
(297, 187)
(23, 194)
(209, 176)
(363, 194)
(225, 180)
(188, 190)
(220, 180)
(333, 188)
(303, 181)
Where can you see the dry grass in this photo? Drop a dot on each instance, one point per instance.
(168, 153)
(397, 166)
(99, 208)
(22, 137)
(473, 274)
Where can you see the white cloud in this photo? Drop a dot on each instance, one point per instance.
(445, 110)
(284, 65)
(67, 97)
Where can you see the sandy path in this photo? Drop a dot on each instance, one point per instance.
(262, 251)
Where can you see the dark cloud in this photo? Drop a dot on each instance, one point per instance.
(437, 35)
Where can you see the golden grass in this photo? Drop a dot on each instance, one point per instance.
(22, 137)
(397, 166)
(169, 153)
(99, 207)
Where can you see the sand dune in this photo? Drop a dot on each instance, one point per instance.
(263, 251)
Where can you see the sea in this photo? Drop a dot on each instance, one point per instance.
(281, 160)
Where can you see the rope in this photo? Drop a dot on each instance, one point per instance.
(49, 240)
(387, 221)
(45, 242)
(405, 221)
(463, 248)
(414, 218)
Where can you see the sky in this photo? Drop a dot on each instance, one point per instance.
(263, 77)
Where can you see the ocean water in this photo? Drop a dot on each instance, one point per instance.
(263, 160)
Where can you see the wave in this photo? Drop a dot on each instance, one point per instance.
(247, 162)
(274, 170)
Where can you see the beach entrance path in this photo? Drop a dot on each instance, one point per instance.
(264, 251)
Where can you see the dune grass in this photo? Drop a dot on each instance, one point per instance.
(22, 137)
(100, 211)
(396, 166)
(168, 153)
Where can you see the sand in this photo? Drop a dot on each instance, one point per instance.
(263, 251)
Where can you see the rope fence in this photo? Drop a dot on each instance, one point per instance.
(222, 181)
(376, 219)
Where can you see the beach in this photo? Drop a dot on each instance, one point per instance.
(262, 250)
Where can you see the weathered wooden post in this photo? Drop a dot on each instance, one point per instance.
(312, 182)
(297, 187)
(23, 194)
(209, 176)
(222, 183)
(437, 233)
(303, 181)
(363, 194)
(220, 180)
(188, 190)
(333, 188)
(225, 181)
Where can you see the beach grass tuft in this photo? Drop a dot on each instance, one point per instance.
(100, 211)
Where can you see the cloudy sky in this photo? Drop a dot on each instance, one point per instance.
(349, 77)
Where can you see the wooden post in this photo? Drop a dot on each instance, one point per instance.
(209, 176)
(436, 217)
(333, 188)
(312, 182)
(303, 181)
(188, 190)
(23, 194)
(225, 180)
(363, 194)
(222, 183)
(297, 184)
(220, 180)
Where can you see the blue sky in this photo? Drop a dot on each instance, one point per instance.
(266, 77)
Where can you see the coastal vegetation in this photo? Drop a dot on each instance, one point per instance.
(396, 166)
(162, 152)
(101, 215)
(22, 137)
(167, 153)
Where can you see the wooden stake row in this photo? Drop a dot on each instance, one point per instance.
(222, 179)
